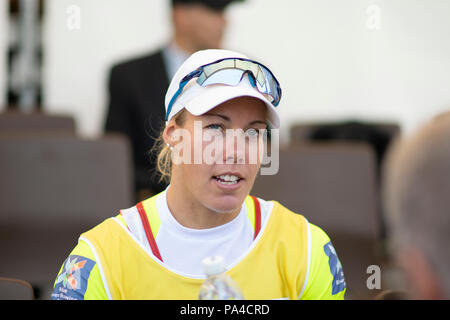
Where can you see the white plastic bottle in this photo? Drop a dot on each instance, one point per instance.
(218, 285)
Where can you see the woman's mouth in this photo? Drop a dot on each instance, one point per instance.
(228, 181)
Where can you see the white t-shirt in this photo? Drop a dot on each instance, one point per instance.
(183, 249)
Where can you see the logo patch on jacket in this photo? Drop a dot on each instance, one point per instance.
(335, 268)
(71, 283)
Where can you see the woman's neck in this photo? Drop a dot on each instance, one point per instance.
(191, 213)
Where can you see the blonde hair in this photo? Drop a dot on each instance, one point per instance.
(164, 153)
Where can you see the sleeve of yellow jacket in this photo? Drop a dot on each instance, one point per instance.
(79, 277)
(325, 280)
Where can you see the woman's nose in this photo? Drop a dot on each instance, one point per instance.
(234, 151)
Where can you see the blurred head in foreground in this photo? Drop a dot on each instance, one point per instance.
(417, 200)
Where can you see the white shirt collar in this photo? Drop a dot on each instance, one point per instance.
(173, 58)
(211, 233)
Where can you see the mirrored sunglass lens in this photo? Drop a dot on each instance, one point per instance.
(253, 67)
(260, 77)
(230, 72)
(267, 81)
(245, 65)
(272, 85)
(230, 77)
(261, 86)
(213, 68)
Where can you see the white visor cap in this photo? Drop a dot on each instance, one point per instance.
(199, 100)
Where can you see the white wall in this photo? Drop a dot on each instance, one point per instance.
(76, 61)
(330, 60)
(3, 52)
(345, 69)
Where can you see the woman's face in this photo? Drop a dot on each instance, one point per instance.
(218, 170)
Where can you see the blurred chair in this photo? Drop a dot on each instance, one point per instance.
(378, 134)
(36, 121)
(52, 189)
(306, 131)
(333, 186)
(15, 289)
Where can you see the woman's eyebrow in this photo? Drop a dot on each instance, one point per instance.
(257, 121)
(218, 115)
(224, 117)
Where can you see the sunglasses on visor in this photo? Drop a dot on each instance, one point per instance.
(230, 71)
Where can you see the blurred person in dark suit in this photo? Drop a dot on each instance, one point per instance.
(137, 87)
(417, 199)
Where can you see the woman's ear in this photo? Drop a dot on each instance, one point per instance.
(168, 133)
(174, 130)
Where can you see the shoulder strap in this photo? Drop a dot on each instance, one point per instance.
(257, 216)
(148, 231)
(254, 213)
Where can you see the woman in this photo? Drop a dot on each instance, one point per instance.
(154, 249)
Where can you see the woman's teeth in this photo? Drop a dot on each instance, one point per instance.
(227, 179)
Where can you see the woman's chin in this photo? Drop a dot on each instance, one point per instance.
(226, 204)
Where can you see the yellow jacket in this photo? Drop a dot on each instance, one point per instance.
(289, 258)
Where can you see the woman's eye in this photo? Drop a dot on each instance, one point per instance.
(251, 132)
(215, 126)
